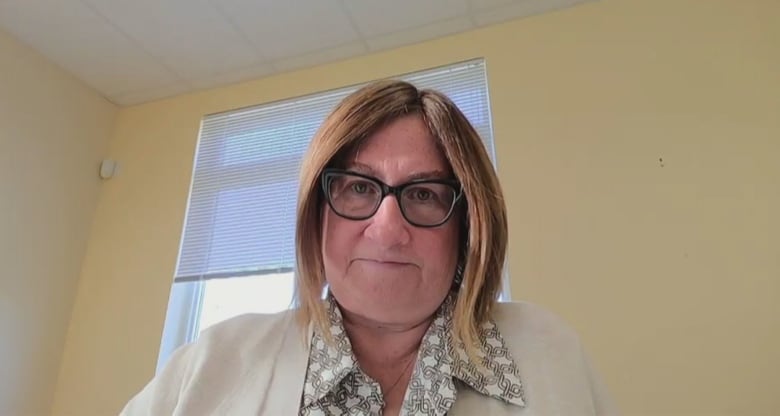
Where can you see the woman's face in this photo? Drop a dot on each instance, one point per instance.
(384, 269)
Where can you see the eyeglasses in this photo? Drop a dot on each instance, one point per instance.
(423, 203)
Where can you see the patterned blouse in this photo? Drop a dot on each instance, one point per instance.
(336, 385)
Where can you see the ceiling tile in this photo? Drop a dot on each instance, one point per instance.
(140, 50)
(322, 56)
(492, 4)
(75, 38)
(381, 17)
(432, 31)
(195, 44)
(520, 9)
(234, 76)
(283, 29)
(142, 96)
(12, 49)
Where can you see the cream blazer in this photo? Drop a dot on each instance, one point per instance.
(256, 365)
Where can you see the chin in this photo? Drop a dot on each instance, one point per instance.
(397, 308)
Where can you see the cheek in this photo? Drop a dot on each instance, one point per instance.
(336, 243)
(442, 251)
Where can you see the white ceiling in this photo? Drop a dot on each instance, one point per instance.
(134, 51)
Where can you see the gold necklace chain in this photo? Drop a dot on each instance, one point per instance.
(400, 376)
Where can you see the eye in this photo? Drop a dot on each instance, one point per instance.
(360, 187)
(421, 194)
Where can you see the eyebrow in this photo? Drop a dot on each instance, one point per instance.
(421, 175)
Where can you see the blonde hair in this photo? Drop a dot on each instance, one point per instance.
(483, 219)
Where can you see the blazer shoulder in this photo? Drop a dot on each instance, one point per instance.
(525, 321)
(204, 376)
(248, 326)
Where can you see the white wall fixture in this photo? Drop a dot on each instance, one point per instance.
(108, 168)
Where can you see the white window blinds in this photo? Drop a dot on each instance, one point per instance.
(241, 213)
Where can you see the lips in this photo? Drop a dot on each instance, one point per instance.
(387, 262)
(392, 263)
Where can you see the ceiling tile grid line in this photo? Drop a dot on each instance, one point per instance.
(179, 79)
(352, 22)
(74, 38)
(190, 37)
(260, 55)
(376, 18)
(420, 33)
(286, 29)
(470, 13)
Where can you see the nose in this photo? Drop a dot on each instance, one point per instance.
(388, 227)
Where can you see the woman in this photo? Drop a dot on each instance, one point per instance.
(402, 218)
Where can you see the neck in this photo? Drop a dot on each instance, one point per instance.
(382, 351)
(375, 344)
(386, 354)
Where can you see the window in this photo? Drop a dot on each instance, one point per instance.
(237, 249)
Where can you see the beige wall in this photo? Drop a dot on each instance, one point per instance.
(669, 270)
(53, 133)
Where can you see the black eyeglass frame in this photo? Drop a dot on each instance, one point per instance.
(329, 173)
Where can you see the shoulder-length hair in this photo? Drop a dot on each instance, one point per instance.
(484, 225)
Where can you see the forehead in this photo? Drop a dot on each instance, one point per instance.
(403, 148)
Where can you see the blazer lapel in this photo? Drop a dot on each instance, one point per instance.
(285, 383)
